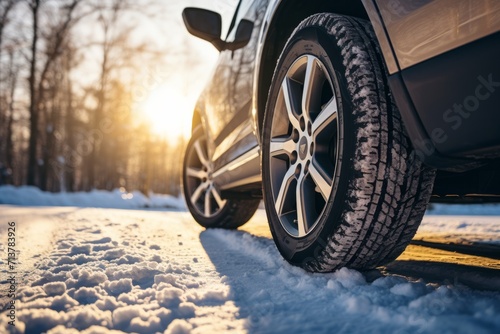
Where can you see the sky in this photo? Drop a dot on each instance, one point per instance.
(169, 102)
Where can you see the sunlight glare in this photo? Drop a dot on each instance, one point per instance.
(169, 113)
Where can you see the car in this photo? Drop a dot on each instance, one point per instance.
(346, 118)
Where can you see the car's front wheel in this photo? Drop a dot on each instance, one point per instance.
(341, 182)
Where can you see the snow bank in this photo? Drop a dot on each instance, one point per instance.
(118, 198)
(121, 199)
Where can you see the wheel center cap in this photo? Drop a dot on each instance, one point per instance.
(303, 148)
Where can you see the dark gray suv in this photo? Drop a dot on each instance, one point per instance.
(346, 117)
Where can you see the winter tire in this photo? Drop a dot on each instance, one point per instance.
(202, 195)
(341, 182)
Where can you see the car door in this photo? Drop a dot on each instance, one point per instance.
(228, 103)
(448, 51)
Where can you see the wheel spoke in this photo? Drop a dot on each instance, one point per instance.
(282, 146)
(197, 193)
(218, 199)
(287, 96)
(284, 189)
(197, 173)
(301, 207)
(324, 186)
(201, 155)
(325, 117)
(208, 204)
(309, 88)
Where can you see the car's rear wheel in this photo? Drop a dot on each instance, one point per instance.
(341, 182)
(203, 198)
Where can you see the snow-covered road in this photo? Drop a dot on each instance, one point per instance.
(98, 270)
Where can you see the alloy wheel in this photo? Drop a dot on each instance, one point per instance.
(202, 192)
(303, 145)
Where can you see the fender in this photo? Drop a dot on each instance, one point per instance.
(366, 9)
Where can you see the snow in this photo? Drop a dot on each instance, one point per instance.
(477, 222)
(115, 271)
(119, 198)
(481, 225)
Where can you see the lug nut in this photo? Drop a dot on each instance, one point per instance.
(302, 123)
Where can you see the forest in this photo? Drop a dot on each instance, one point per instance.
(72, 75)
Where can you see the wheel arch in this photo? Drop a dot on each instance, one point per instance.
(196, 120)
(280, 21)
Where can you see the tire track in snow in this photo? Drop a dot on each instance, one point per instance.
(339, 301)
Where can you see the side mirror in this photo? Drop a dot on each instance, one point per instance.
(207, 25)
(204, 24)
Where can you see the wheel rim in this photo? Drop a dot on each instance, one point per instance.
(303, 145)
(201, 190)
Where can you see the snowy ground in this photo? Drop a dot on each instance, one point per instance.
(98, 270)
(119, 198)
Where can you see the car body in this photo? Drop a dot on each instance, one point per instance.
(442, 69)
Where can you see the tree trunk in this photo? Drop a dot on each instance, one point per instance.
(33, 110)
(9, 154)
(69, 125)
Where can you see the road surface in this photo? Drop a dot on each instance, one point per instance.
(98, 270)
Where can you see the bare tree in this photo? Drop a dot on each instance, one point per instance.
(33, 110)
(6, 6)
(12, 84)
(68, 181)
(54, 39)
(7, 91)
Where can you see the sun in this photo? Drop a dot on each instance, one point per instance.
(169, 113)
